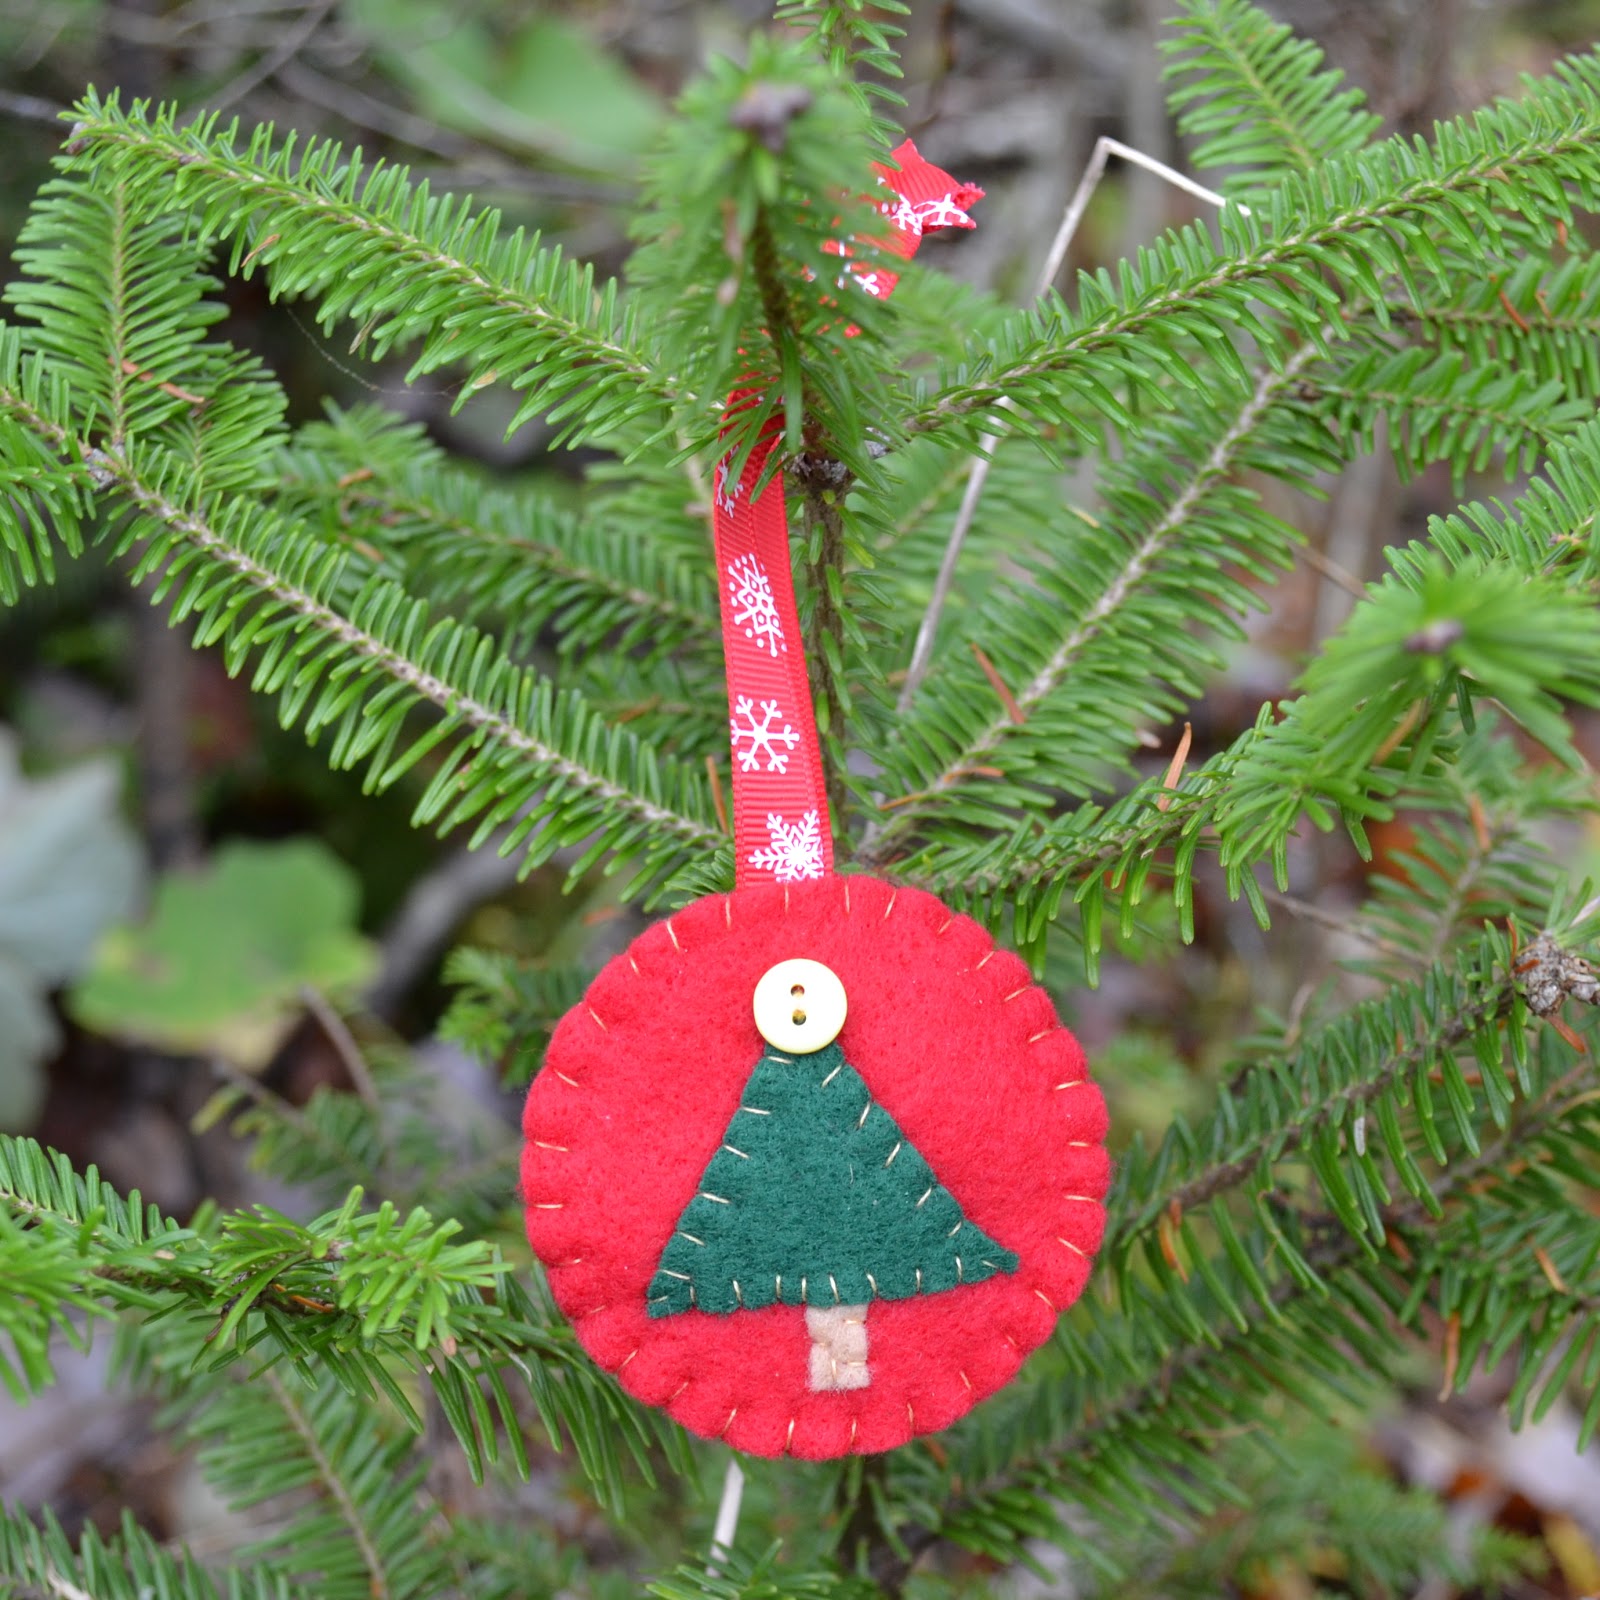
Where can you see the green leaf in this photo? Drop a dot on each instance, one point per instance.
(221, 961)
(547, 89)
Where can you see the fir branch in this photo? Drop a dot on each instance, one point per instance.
(342, 1475)
(22, 406)
(336, 1139)
(857, 45)
(1256, 97)
(824, 566)
(1438, 409)
(1136, 568)
(1496, 831)
(516, 725)
(385, 657)
(826, 481)
(117, 299)
(1535, 316)
(342, 1494)
(44, 491)
(735, 248)
(1360, 217)
(515, 556)
(503, 1008)
(45, 1299)
(356, 1296)
(334, 1485)
(735, 1577)
(1090, 1444)
(1512, 570)
(1481, 856)
(402, 264)
(39, 1562)
(119, 361)
(1372, 1052)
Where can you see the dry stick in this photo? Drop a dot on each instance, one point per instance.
(29, 107)
(337, 1032)
(1104, 149)
(286, 49)
(1327, 567)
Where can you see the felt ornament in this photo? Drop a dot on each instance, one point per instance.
(813, 1165)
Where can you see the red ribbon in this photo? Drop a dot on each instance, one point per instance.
(781, 828)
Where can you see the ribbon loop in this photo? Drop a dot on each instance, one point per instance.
(781, 827)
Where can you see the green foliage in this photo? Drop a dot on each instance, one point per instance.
(502, 1009)
(1539, 319)
(226, 952)
(353, 1296)
(731, 242)
(547, 88)
(1325, 1510)
(737, 1578)
(537, 664)
(400, 263)
(520, 563)
(45, 495)
(1257, 98)
(134, 378)
(1442, 407)
(857, 45)
(40, 1559)
(1284, 272)
(362, 1523)
(1089, 636)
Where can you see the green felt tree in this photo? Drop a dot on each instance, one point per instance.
(1385, 1176)
(816, 1198)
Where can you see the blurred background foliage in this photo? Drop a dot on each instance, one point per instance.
(220, 902)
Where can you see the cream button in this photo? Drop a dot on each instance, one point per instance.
(800, 1006)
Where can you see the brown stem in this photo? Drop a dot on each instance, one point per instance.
(824, 559)
(769, 284)
(826, 483)
(864, 1543)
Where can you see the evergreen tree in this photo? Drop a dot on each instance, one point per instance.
(1421, 1161)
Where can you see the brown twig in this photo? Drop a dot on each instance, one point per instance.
(718, 804)
(824, 523)
(337, 1032)
(997, 683)
(286, 49)
(134, 370)
(826, 482)
(1175, 767)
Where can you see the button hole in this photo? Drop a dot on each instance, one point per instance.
(799, 1019)
(798, 990)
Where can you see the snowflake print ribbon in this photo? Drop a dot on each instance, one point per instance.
(759, 737)
(793, 850)
(780, 806)
(754, 608)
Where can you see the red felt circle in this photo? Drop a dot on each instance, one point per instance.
(958, 1044)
